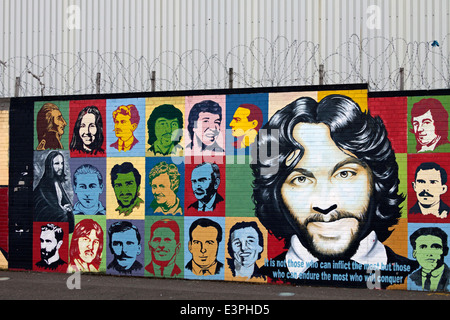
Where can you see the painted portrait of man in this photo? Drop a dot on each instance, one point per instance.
(245, 245)
(126, 182)
(87, 135)
(247, 120)
(205, 180)
(86, 247)
(51, 201)
(50, 125)
(164, 179)
(205, 236)
(88, 186)
(429, 121)
(429, 248)
(327, 151)
(165, 130)
(164, 245)
(126, 120)
(51, 239)
(430, 183)
(125, 247)
(204, 123)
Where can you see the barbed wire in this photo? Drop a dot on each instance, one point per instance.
(381, 62)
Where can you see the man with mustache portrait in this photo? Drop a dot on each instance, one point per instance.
(429, 185)
(125, 246)
(126, 120)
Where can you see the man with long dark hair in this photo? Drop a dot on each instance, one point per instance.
(165, 130)
(51, 202)
(334, 196)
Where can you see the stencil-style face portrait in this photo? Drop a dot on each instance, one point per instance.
(125, 246)
(88, 186)
(205, 236)
(430, 185)
(88, 131)
(247, 120)
(50, 125)
(126, 182)
(164, 127)
(51, 239)
(430, 124)
(429, 248)
(126, 120)
(164, 180)
(204, 126)
(245, 245)
(164, 245)
(86, 246)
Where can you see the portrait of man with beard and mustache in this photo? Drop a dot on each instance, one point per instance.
(164, 245)
(86, 247)
(333, 197)
(51, 201)
(126, 181)
(429, 185)
(51, 239)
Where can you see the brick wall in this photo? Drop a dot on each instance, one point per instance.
(304, 218)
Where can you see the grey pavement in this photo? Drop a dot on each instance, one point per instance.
(21, 285)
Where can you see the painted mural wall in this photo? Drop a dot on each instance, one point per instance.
(324, 186)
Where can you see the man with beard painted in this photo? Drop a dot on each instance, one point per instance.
(429, 185)
(126, 181)
(51, 202)
(164, 245)
(51, 240)
(331, 193)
